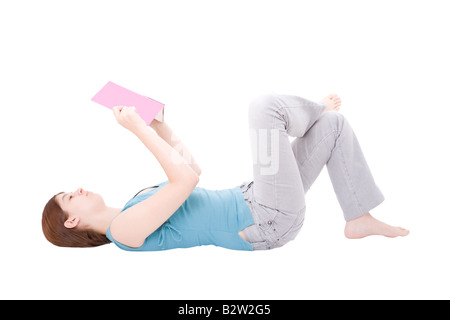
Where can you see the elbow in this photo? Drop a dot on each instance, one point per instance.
(196, 179)
(187, 181)
(192, 181)
(193, 178)
(187, 178)
(196, 169)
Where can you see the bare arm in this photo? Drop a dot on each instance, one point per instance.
(167, 134)
(144, 218)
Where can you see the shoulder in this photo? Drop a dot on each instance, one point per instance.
(121, 233)
(123, 236)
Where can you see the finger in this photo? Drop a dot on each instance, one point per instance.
(124, 110)
(117, 110)
(131, 110)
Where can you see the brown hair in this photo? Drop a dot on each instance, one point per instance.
(53, 219)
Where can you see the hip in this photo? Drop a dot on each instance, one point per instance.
(273, 228)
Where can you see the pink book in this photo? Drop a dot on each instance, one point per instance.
(112, 95)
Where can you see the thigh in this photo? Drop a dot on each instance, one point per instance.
(277, 180)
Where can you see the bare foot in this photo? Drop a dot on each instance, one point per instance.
(366, 225)
(333, 102)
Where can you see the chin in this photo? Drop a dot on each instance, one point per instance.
(96, 198)
(99, 197)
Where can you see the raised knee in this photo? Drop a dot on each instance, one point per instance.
(262, 103)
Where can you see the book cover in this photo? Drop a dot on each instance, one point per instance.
(112, 95)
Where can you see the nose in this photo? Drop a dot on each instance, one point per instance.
(79, 191)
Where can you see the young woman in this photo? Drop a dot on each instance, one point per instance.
(263, 214)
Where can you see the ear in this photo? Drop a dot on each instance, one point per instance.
(71, 222)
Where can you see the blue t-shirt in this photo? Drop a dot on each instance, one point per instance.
(207, 217)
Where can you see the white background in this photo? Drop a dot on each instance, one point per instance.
(206, 60)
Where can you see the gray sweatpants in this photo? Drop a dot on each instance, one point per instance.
(283, 171)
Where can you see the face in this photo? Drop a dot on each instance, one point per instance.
(80, 205)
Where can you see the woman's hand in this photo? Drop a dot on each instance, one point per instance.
(129, 118)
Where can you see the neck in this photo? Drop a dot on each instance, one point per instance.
(103, 219)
